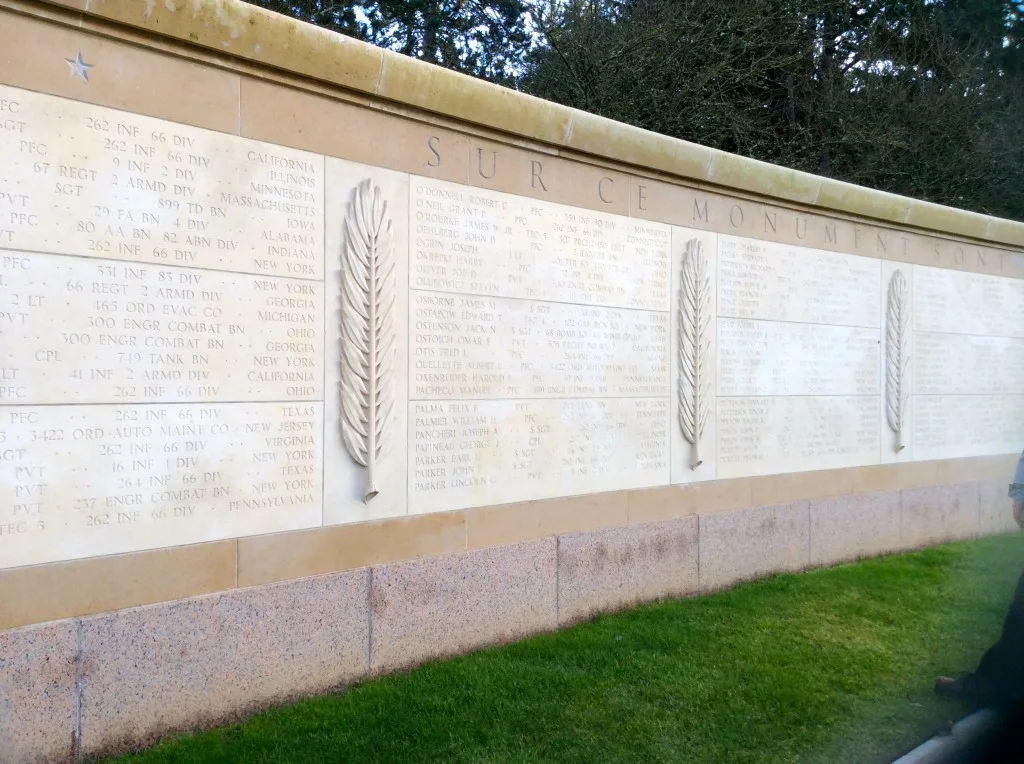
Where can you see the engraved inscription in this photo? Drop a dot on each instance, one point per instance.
(966, 364)
(761, 436)
(956, 302)
(161, 332)
(950, 426)
(80, 330)
(759, 279)
(474, 453)
(488, 243)
(98, 182)
(538, 340)
(162, 341)
(79, 481)
(772, 358)
(464, 346)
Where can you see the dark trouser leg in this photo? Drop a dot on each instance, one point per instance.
(1003, 664)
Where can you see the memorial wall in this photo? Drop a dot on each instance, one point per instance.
(208, 337)
(318, 362)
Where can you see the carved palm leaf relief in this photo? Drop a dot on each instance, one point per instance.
(694, 346)
(368, 337)
(897, 356)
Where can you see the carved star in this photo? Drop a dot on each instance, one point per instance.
(79, 67)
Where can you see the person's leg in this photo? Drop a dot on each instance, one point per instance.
(1003, 665)
(999, 678)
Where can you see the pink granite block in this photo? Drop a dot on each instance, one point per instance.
(939, 513)
(753, 543)
(619, 567)
(995, 506)
(854, 526)
(440, 606)
(194, 663)
(38, 685)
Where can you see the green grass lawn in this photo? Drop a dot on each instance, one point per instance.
(829, 666)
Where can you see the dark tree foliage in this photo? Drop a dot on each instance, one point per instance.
(918, 97)
(485, 39)
(338, 17)
(482, 39)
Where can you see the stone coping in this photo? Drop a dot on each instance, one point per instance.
(265, 38)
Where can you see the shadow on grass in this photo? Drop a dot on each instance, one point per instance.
(831, 665)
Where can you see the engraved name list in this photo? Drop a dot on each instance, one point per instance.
(161, 333)
(538, 347)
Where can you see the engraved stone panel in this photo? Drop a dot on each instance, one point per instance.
(967, 364)
(86, 180)
(161, 333)
(957, 302)
(799, 389)
(950, 426)
(759, 279)
(491, 347)
(538, 358)
(475, 453)
(761, 436)
(475, 241)
(757, 358)
(84, 480)
(968, 361)
(204, 337)
(106, 331)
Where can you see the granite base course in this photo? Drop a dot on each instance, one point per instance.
(114, 682)
(939, 513)
(455, 603)
(614, 569)
(752, 543)
(995, 507)
(38, 676)
(150, 671)
(851, 527)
